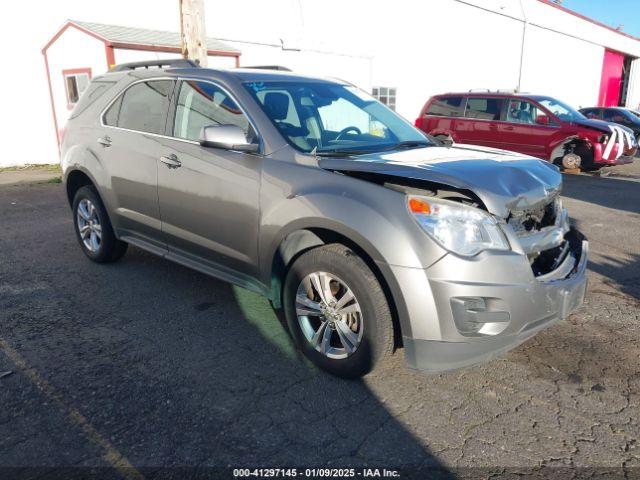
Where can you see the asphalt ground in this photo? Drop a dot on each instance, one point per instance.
(145, 369)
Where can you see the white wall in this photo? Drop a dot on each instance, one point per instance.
(633, 95)
(419, 47)
(352, 68)
(562, 67)
(448, 47)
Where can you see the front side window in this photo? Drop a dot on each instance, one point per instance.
(202, 104)
(447, 107)
(484, 108)
(143, 107)
(332, 118)
(521, 111)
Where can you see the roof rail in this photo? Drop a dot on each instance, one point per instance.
(174, 63)
(270, 67)
(474, 90)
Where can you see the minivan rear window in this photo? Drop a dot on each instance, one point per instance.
(484, 108)
(447, 107)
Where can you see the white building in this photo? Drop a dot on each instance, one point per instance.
(403, 55)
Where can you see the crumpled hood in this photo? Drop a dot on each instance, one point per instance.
(504, 181)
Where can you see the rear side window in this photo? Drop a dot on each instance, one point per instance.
(447, 107)
(484, 108)
(143, 107)
(94, 91)
(615, 116)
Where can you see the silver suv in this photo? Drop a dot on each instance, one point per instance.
(369, 234)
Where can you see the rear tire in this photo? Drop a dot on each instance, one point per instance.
(360, 332)
(93, 228)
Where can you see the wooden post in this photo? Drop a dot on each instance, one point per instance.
(193, 36)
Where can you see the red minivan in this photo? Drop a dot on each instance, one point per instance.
(534, 125)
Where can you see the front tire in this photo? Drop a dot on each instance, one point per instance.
(337, 312)
(93, 228)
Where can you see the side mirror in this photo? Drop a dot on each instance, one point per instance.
(542, 120)
(227, 137)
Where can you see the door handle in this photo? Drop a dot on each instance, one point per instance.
(171, 161)
(509, 128)
(104, 141)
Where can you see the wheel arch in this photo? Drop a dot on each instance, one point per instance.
(75, 180)
(303, 239)
(578, 144)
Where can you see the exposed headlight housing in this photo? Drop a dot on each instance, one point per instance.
(458, 228)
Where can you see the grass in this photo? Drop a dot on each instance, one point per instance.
(44, 168)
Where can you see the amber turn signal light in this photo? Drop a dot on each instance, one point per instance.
(419, 206)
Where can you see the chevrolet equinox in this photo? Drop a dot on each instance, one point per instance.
(366, 232)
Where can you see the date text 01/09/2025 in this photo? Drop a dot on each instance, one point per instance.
(315, 473)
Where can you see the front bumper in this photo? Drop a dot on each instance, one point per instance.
(614, 158)
(519, 303)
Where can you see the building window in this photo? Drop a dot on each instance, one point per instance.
(75, 82)
(386, 95)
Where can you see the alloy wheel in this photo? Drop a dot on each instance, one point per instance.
(329, 315)
(89, 226)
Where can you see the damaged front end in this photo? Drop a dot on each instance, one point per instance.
(546, 237)
(522, 194)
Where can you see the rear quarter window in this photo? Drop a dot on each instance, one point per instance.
(446, 107)
(94, 91)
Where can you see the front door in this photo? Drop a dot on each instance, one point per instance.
(527, 129)
(128, 147)
(209, 198)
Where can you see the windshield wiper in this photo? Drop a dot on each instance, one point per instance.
(410, 144)
(340, 152)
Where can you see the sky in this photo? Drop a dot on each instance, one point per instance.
(610, 12)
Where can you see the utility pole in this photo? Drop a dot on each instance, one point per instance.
(193, 36)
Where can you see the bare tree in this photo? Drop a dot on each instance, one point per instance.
(193, 36)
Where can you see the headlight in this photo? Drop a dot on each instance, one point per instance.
(458, 228)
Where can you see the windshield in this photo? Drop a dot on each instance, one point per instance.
(328, 118)
(561, 110)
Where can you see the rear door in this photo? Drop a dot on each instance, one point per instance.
(129, 149)
(480, 123)
(209, 199)
(527, 128)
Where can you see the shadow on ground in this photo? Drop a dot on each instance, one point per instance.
(616, 193)
(174, 368)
